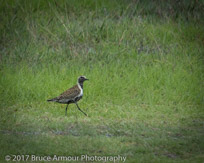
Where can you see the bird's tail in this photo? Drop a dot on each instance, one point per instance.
(52, 100)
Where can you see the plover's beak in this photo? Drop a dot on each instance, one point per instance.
(86, 79)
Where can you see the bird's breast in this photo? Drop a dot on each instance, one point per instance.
(81, 91)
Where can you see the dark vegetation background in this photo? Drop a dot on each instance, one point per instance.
(144, 59)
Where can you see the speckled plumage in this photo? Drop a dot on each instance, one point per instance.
(72, 95)
(68, 96)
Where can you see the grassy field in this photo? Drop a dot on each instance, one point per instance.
(145, 64)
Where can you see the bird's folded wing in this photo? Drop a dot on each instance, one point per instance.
(70, 93)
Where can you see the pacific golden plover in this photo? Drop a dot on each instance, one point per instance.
(72, 95)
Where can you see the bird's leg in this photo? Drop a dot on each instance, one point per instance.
(66, 110)
(80, 109)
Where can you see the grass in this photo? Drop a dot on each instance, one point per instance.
(144, 62)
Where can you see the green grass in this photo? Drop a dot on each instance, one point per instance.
(145, 94)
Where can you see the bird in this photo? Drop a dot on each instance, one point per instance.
(72, 95)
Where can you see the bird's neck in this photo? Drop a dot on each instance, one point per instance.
(80, 84)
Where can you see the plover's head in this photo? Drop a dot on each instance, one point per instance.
(81, 79)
